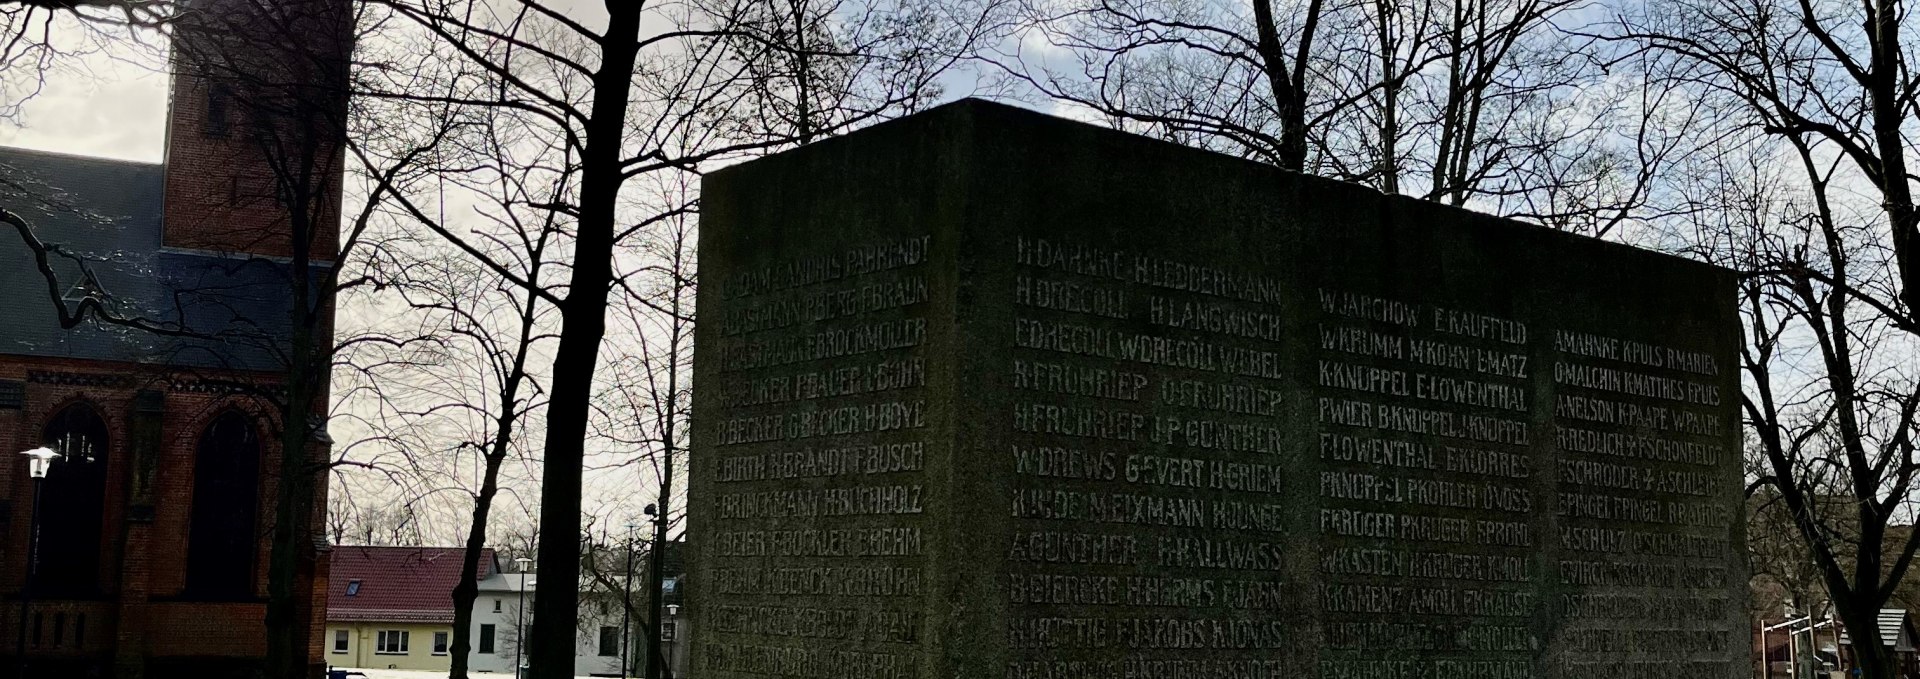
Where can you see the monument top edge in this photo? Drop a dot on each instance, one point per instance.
(986, 115)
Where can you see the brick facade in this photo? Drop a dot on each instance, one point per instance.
(143, 619)
(221, 195)
(243, 108)
(140, 617)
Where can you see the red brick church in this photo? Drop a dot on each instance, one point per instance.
(155, 525)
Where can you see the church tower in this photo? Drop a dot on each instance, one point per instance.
(150, 556)
(254, 159)
(253, 172)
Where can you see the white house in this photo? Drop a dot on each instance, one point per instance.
(504, 611)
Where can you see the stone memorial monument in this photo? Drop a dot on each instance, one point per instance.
(986, 394)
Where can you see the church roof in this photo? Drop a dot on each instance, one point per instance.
(108, 214)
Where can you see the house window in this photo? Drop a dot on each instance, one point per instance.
(80, 629)
(59, 628)
(339, 641)
(486, 638)
(440, 643)
(609, 640)
(353, 588)
(496, 605)
(666, 630)
(391, 642)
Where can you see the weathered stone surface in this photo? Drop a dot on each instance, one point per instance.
(986, 394)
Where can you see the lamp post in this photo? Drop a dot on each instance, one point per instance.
(626, 604)
(39, 460)
(653, 581)
(520, 625)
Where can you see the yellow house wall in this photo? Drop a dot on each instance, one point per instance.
(361, 638)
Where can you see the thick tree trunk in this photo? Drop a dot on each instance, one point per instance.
(290, 561)
(583, 324)
(1389, 99)
(1863, 628)
(803, 78)
(1888, 115)
(1287, 85)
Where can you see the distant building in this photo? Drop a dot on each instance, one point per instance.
(1898, 634)
(392, 607)
(504, 612)
(674, 628)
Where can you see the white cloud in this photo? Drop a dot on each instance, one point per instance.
(111, 104)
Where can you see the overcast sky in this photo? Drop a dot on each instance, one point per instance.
(114, 106)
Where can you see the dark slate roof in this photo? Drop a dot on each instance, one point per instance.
(397, 584)
(107, 213)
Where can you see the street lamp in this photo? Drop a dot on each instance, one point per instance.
(39, 461)
(520, 626)
(654, 569)
(626, 603)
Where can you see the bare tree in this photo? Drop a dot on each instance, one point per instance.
(647, 398)
(661, 89)
(1831, 296)
(40, 37)
(481, 388)
(613, 565)
(1831, 388)
(1230, 75)
(1827, 75)
(1485, 104)
(1784, 577)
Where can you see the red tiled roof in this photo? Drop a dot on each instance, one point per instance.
(410, 584)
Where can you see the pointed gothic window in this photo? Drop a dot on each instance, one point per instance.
(72, 501)
(223, 533)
